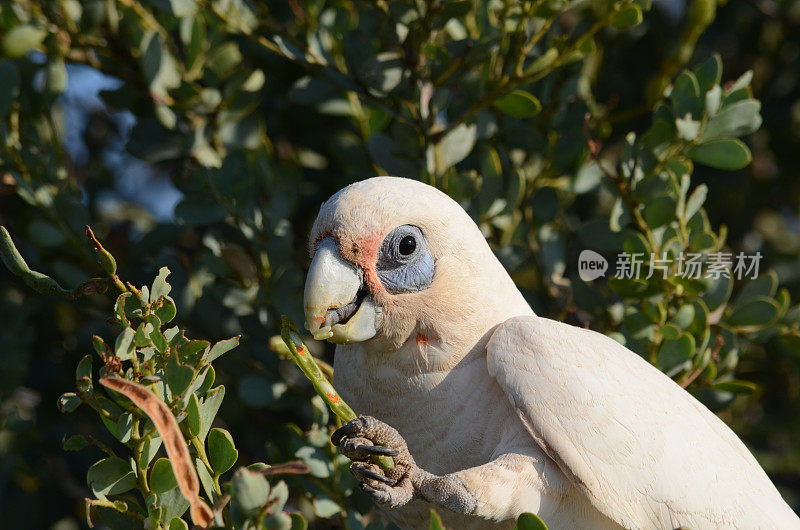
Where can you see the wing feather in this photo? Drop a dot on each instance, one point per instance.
(643, 450)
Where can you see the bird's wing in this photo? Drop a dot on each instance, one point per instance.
(643, 450)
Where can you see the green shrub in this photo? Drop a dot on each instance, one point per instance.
(260, 111)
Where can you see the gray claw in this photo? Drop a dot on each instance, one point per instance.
(375, 476)
(378, 450)
(348, 429)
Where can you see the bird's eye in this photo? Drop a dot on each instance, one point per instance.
(404, 264)
(407, 245)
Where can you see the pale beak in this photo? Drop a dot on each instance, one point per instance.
(337, 304)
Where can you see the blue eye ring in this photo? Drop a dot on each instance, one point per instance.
(404, 263)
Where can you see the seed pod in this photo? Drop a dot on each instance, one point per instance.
(16, 263)
(177, 451)
(104, 257)
(305, 361)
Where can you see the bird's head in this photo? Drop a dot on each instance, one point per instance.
(394, 257)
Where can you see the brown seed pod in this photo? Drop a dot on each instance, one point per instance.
(177, 451)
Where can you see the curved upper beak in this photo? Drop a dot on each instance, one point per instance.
(337, 304)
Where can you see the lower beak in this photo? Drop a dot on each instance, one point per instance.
(337, 305)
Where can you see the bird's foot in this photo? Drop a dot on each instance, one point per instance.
(366, 436)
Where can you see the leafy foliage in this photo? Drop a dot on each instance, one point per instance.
(559, 126)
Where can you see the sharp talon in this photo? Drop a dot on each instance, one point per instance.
(378, 450)
(375, 476)
(342, 432)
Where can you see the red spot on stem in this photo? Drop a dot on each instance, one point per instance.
(333, 397)
(300, 350)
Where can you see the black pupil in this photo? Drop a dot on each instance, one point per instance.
(407, 245)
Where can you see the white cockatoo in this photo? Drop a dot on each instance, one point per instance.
(491, 411)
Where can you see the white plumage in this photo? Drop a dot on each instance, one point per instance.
(502, 411)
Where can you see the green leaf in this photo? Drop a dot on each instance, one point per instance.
(55, 77)
(519, 104)
(178, 524)
(684, 316)
(718, 294)
(674, 354)
(205, 478)
(160, 286)
(158, 340)
(543, 62)
(764, 286)
(739, 119)
(457, 145)
(626, 17)
(709, 73)
(68, 402)
(119, 310)
(224, 59)
(288, 48)
(326, 507)
(209, 408)
(124, 427)
(619, 217)
(124, 348)
(173, 504)
(110, 476)
(221, 347)
(319, 464)
(756, 312)
(221, 450)
(22, 39)
(249, 491)
(383, 72)
(529, 521)
(189, 349)
(278, 495)
(736, 386)
(685, 96)
(435, 522)
(722, 153)
(659, 212)
(695, 201)
(165, 310)
(149, 450)
(670, 332)
(83, 374)
(162, 478)
(179, 376)
(193, 415)
(158, 65)
(180, 8)
(587, 178)
(141, 338)
(298, 522)
(743, 82)
(75, 442)
(208, 375)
